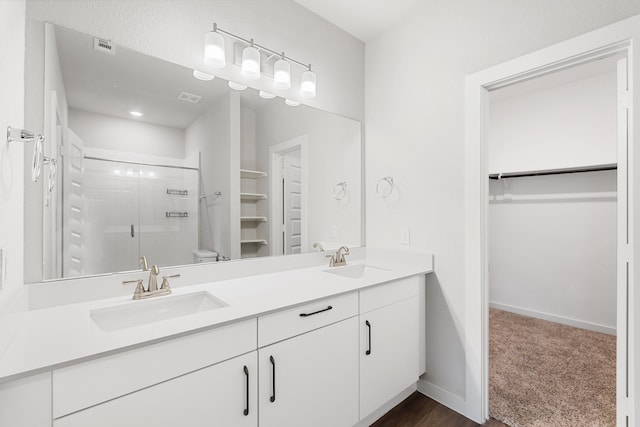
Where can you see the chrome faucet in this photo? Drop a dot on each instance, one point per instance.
(337, 259)
(152, 288)
(318, 246)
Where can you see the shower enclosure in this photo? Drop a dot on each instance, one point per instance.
(134, 209)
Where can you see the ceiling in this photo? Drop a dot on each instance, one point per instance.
(363, 19)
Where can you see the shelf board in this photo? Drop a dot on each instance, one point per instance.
(252, 196)
(256, 241)
(558, 171)
(253, 218)
(246, 173)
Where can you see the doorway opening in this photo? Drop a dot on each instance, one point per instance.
(552, 160)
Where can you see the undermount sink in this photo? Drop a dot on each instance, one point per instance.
(139, 313)
(355, 271)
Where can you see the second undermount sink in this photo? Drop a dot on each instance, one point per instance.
(356, 271)
(138, 313)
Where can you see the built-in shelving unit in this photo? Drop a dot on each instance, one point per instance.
(246, 173)
(252, 231)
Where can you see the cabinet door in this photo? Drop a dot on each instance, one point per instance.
(311, 380)
(388, 353)
(220, 395)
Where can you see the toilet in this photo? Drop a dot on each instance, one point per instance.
(204, 255)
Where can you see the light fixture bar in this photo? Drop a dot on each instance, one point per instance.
(259, 47)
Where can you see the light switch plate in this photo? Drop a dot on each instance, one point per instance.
(334, 231)
(405, 236)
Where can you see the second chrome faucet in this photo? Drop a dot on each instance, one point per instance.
(152, 287)
(337, 259)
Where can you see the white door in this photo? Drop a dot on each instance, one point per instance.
(311, 380)
(220, 395)
(292, 198)
(73, 235)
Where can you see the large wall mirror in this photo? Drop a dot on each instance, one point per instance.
(147, 160)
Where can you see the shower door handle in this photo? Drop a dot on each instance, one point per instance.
(132, 232)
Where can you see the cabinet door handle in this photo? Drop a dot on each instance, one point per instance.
(366, 322)
(246, 374)
(315, 312)
(273, 380)
(132, 232)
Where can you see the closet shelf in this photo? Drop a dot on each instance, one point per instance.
(252, 196)
(592, 168)
(247, 173)
(253, 219)
(254, 241)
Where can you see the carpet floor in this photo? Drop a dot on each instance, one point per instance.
(544, 374)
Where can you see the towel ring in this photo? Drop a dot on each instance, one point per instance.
(37, 160)
(384, 187)
(53, 169)
(340, 190)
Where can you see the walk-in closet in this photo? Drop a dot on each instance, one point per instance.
(552, 236)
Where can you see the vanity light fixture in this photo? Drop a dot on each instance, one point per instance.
(282, 73)
(214, 56)
(251, 62)
(201, 75)
(236, 86)
(214, 53)
(266, 95)
(291, 103)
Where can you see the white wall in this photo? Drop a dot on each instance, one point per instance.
(12, 33)
(415, 132)
(552, 239)
(174, 30)
(113, 133)
(561, 126)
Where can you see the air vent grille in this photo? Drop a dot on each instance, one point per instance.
(104, 46)
(189, 97)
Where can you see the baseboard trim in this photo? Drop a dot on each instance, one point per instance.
(442, 396)
(376, 415)
(554, 318)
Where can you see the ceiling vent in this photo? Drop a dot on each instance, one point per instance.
(104, 46)
(189, 97)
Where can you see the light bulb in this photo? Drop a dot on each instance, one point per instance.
(266, 95)
(236, 86)
(201, 75)
(282, 74)
(291, 103)
(251, 63)
(214, 53)
(308, 84)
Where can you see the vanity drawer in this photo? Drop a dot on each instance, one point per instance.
(389, 293)
(284, 324)
(90, 383)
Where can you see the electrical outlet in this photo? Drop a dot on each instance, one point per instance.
(334, 231)
(405, 236)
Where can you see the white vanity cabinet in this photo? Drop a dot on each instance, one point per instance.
(26, 402)
(389, 338)
(311, 379)
(224, 394)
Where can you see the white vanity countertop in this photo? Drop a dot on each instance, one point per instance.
(38, 340)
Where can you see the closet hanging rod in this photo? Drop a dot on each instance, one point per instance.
(596, 168)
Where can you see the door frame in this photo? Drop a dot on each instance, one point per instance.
(276, 152)
(620, 38)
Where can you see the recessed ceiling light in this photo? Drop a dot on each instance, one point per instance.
(136, 113)
(236, 86)
(201, 75)
(291, 103)
(266, 95)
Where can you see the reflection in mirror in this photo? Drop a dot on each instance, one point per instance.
(152, 161)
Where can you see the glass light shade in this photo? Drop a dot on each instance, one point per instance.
(214, 53)
(251, 63)
(291, 103)
(266, 95)
(236, 86)
(308, 84)
(282, 74)
(201, 75)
